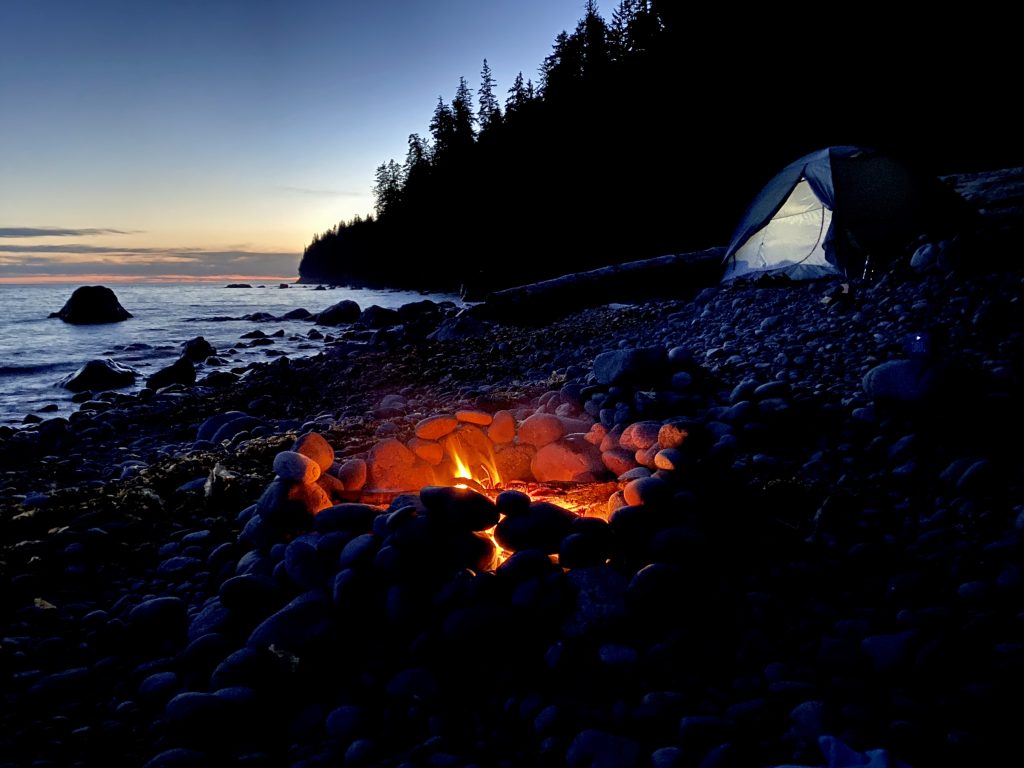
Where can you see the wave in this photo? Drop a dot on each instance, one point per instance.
(25, 370)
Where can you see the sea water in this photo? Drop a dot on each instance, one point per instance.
(37, 351)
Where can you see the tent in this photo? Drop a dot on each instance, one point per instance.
(831, 211)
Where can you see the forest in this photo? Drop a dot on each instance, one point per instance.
(647, 132)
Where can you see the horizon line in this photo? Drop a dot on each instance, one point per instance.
(36, 279)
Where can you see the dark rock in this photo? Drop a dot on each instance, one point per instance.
(542, 526)
(599, 749)
(345, 311)
(600, 601)
(459, 328)
(209, 427)
(197, 349)
(357, 518)
(375, 316)
(181, 371)
(461, 508)
(180, 758)
(301, 626)
(622, 366)
(92, 304)
(251, 595)
(100, 375)
(159, 617)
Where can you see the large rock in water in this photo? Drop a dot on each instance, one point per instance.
(180, 372)
(345, 311)
(98, 375)
(92, 304)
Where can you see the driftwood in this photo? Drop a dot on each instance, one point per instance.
(673, 276)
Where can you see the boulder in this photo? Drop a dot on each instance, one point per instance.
(181, 371)
(345, 311)
(92, 304)
(392, 466)
(622, 366)
(571, 458)
(98, 375)
(197, 349)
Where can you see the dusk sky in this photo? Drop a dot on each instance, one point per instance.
(215, 137)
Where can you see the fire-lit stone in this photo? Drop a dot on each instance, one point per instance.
(645, 456)
(668, 458)
(459, 507)
(346, 517)
(317, 448)
(513, 461)
(566, 459)
(353, 474)
(540, 429)
(480, 418)
(573, 426)
(671, 435)
(472, 445)
(392, 466)
(436, 427)
(618, 460)
(293, 466)
(512, 502)
(596, 433)
(640, 436)
(428, 450)
(611, 439)
(646, 490)
(332, 486)
(503, 428)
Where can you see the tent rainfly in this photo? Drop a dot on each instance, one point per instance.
(832, 210)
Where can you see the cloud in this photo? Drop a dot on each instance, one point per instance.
(77, 259)
(61, 231)
(309, 192)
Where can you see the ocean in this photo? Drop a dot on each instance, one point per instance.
(37, 351)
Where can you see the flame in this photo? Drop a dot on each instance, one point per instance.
(478, 469)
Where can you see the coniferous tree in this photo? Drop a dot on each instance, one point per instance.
(388, 188)
(517, 95)
(417, 160)
(462, 114)
(442, 129)
(490, 112)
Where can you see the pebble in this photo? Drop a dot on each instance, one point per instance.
(295, 467)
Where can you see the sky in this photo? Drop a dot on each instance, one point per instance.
(165, 139)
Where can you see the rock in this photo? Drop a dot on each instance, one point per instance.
(669, 458)
(428, 450)
(542, 526)
(353, 474)
(540, 429)
(392, 466)
(375, 316)
(461, 508)
(902, 381)
(297, 314)
(622, 366)
(99, 375)
(647, 490)
(513, 461)
(640, 436)
(316, 447)
(90, 305)
(301, 626)
(503, 428)
(159, 617)
(480, 418)
(345, 311)
(295, 467)
(197, 349)
(460, 327)
(599, 749)
(436, 427)
(671, 435)
(209, 427)
(181, 371)
(567, 459)
(600, 600)
(357, 518)
(618, 460)
(180, 757)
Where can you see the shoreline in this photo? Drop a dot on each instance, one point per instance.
(837, 550)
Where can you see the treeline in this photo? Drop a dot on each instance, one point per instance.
(646, 133)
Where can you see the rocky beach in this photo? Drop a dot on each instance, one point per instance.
(805, 549)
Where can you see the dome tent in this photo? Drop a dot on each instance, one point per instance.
(828, 212)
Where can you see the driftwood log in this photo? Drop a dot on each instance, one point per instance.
(673, 276)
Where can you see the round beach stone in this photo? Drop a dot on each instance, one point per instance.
(566, 459)
(502, 428)
(353, 474)
(646, 490)
(316, 447)
(98, 375)
(540, 429)
(435, 427)
(618, 460)
(428, 450)
(640, 436)
(480, 418)
(671, 436)
(392, 466)
(295, 467)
